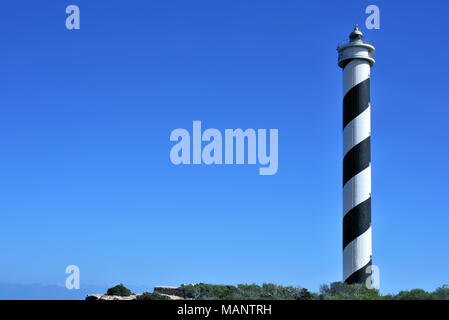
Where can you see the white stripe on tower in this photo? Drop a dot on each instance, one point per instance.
(357, 190)
(357, 130)
(356, 59)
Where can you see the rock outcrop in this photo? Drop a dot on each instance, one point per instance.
(174, 293)
(107, 297)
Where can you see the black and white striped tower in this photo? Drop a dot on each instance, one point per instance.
(356, 58)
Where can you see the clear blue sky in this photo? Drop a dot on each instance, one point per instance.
(86, 116)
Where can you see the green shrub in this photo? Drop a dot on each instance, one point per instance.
(152, 296)
(343, 291)
(441, 293)
(415, 294)
(267, 291)
(119, 290)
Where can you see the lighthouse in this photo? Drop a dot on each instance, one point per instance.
(356, 57)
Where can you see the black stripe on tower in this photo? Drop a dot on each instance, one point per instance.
(355, 101)
(360, 276)
(356, 160)
(356, 222)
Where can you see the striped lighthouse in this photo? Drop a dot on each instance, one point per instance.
(356, 58)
